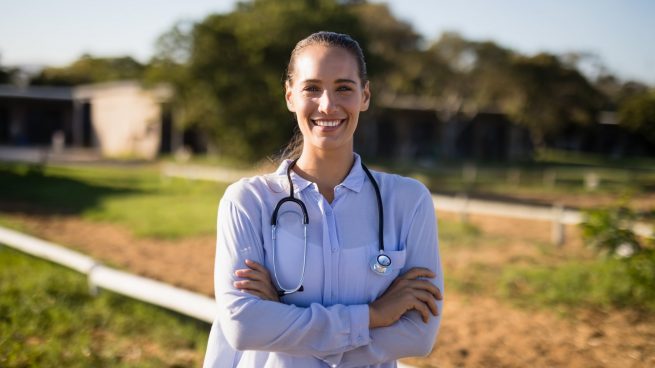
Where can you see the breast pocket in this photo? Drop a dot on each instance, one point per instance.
(377, 284)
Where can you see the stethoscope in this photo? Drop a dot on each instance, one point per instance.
(380, 263)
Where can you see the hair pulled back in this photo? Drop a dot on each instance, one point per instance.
(328, 39)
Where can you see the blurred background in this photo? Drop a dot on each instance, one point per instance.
(533, 123)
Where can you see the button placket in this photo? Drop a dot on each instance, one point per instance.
(334, 245)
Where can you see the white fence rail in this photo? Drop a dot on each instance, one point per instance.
(557, 215)
(151, 291)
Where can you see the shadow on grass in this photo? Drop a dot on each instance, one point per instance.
(29, 189)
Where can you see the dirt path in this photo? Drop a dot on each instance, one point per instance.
(477, 331)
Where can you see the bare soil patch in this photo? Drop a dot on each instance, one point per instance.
(477, 331)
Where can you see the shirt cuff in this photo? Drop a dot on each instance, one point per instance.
(359, 331)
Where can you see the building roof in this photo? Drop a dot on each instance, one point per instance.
(161, 92)
(37, 92)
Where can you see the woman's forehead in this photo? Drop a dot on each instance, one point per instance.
(325, 63)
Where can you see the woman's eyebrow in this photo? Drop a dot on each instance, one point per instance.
(318, 81)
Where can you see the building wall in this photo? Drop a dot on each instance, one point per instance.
(126, 120)
(119, 119)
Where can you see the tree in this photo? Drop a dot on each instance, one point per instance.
(550, 96)
(232, 85)
(7, 74)
(89, 69)
(540, 92)
(637, 113)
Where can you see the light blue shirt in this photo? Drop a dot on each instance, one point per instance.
(327, 324)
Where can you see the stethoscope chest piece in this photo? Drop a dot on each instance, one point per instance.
(381, 264)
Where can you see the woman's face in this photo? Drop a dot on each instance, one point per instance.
(326, 95)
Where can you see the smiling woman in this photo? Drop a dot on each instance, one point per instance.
(325, 262)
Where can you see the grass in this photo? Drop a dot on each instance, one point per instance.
(599, 283)
(550, 174)
(463, 234)
(48, 319)
(138, 198)
(563, 157)
(544, 276)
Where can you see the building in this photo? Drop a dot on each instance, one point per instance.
(417, 128)
(118, 119)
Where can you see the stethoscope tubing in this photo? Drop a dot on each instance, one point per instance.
(380, 264)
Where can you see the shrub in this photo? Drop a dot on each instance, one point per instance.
(609, 230)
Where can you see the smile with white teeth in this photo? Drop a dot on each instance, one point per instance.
(327, 123)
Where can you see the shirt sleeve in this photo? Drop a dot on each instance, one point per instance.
(250, 323)
(410, 336)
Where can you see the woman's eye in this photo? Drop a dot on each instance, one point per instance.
(344, 89)
(311, 89)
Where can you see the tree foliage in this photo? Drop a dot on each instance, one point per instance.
(540, 92)
(232, 84)
(7, 74)
(637, 113)
(89, 69)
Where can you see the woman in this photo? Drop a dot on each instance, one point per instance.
(324, 293)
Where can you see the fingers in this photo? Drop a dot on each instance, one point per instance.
(427, 286)
(262, 289)
(423, 310)
(256, 266)
(417, 272)
(410, 279)
(251, 274)
(255, 272)
(412, 290)
(257, 281)
(428, 300)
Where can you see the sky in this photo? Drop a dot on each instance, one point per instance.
(620, 33)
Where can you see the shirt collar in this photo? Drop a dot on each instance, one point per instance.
(353, 181)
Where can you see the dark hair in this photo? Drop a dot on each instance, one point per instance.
(332, 39)
(323, 38)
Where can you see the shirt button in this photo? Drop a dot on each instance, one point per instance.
(335, 249)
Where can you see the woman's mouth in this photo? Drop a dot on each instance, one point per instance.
(333, 123)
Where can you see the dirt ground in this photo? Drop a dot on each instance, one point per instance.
(477, 331)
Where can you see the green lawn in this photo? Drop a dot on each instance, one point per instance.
(138, 198)
(48, 319)
(551, 173)
(599, 283)
(545, 276)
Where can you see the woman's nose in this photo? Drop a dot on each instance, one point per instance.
(326, 103)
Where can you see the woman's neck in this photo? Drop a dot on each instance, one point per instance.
(325, 168)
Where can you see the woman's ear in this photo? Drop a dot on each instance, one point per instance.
(366, 97)
(288, 96)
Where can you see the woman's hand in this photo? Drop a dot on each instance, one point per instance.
(408, 291)
(257, 281)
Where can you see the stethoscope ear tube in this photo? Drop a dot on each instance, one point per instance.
(305, 216)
